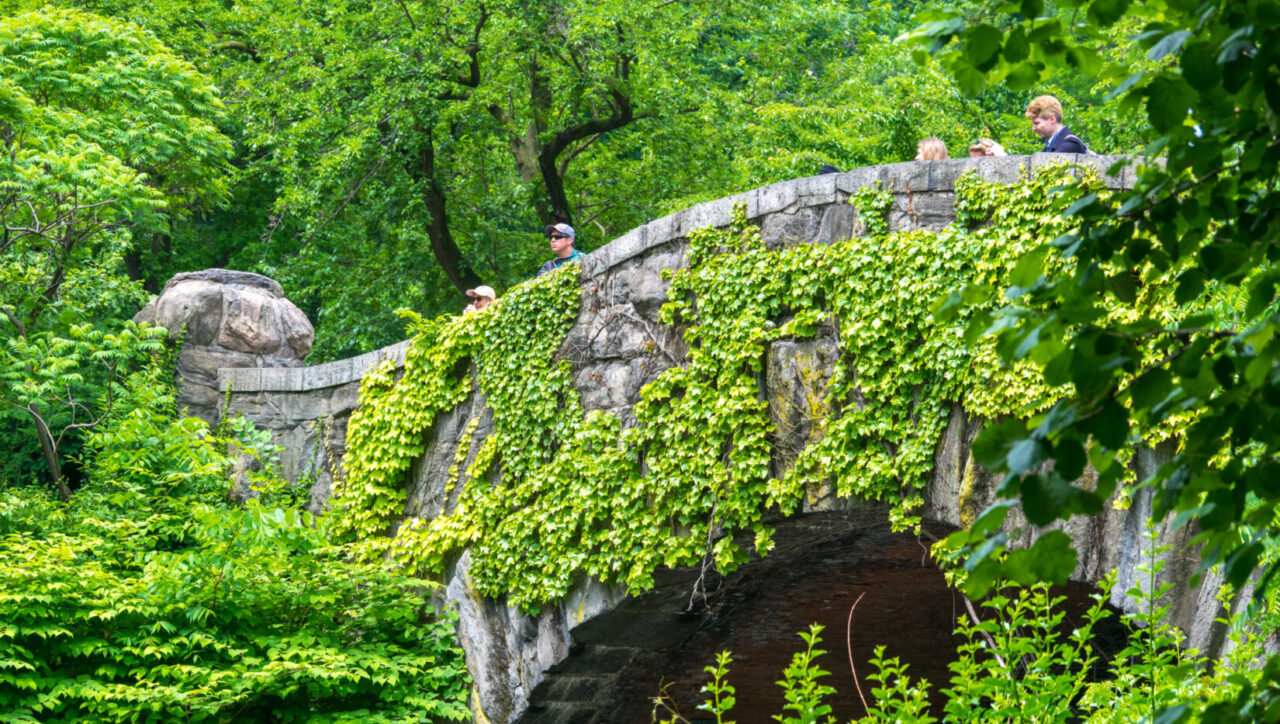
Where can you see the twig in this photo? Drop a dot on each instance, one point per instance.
(849, 643)
(707, 558)
(973, 615)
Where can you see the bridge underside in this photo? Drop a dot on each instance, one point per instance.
(823, 562)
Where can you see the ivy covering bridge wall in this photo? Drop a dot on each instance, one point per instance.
(552, 495)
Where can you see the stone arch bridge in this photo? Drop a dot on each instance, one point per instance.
(600, 655)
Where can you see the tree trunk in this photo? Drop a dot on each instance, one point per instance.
(554, 185)
(446, 251)
(50, 450)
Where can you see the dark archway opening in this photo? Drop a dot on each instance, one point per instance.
(821, 565)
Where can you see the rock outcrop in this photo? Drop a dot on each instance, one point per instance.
(226, 319)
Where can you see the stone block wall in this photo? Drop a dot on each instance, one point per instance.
(306, 409)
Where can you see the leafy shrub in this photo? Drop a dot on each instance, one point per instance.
(148, 596)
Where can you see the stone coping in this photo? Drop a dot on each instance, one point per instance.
(790, 196)
(785, 196)
(305, 379)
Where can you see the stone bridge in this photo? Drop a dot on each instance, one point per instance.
(600, 655)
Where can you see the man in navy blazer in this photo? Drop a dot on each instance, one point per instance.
(1045, 114)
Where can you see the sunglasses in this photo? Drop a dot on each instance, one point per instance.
(559, 236)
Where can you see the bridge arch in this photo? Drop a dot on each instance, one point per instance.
(566, 662)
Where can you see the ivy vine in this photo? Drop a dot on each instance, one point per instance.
(551, 495)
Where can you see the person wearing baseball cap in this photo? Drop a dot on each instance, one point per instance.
(481, 297)
(561, 237)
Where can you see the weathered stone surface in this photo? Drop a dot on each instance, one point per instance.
(192, 310)
(508, 652)
(785, 229)
(252, 322)
(836, 225)
(228, 319)
(229, 277)
(298, 333)
(922, 210)
(796, 377)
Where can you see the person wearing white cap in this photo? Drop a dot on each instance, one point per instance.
(481, 297)
(561, 236)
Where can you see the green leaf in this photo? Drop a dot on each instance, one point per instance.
(1045, 498)
(1123, 286)
(1190, 285)
(1023, 75)
(1124, 86)
(1029, 268)
(1168, 101)
(1262, 294)
(1200, 67)
(970, 80)
(1051, 559)
(1109, 425)
(1168, 44)
(1016, 47)
(1107, 12)
(982, 45)
(1069, 458)
(1151, 388)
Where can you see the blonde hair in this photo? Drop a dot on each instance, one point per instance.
(986, 147)
(1045, 107)
(931, 149)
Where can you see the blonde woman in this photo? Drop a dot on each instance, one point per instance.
(931, 149)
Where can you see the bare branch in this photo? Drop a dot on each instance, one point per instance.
(22, 330)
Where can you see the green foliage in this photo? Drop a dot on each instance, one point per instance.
(720, 701)
(1156, 675)
(61, 386)
(106, 134)
(387, 155)
(1020, 662)
(800, 687)
(106, 137)
(894, 697)
(873, 204)
(1205, 220)
(148, 596)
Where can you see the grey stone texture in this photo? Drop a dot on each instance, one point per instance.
(227, 319)
(566, 663)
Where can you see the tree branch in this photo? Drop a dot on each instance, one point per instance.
(241, 47)
(22, 329)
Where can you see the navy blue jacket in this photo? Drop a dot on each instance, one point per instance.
(1064, 141)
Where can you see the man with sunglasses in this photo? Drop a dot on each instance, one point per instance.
(561, 236)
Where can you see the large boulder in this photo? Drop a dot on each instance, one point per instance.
(226, 318)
